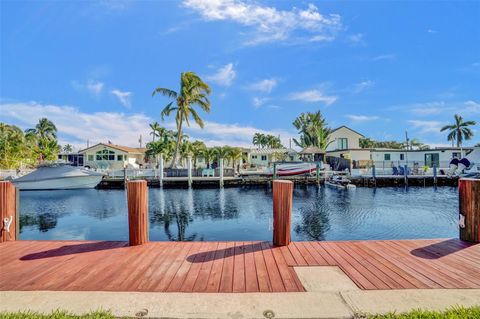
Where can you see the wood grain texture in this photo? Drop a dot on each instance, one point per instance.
(282, 212)
(469, 195)
(8, 209)
(234, 266)
(137, 212)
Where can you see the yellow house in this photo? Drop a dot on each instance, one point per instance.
(112, 156)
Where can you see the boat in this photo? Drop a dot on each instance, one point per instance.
(340, 182)
(290, 169)
(58, 176)
(469, 166)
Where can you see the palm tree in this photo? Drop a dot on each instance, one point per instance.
(367, 143)
(313, 130)
(68, 148)
(45, 129)
(222, 152)
(208, 155)
(155, 127)
(459, 131)
(197, 151)
(186, 149)
(235, 154)
(193, 92)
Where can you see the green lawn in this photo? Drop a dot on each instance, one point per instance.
(453, 313)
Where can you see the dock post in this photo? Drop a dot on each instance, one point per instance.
(434, 174)
(374, 175)
(137, 197)
(8, 212)
(406, 174)
(189, 168)
(160, 167)
(274, 176)
(318, 173)
(469, 209)
(221, 172)
(282, 211)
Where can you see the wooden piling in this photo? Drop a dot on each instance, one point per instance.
(8, 212)
(137, 196)
(282, 211)
(469, 195)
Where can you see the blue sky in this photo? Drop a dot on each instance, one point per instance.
(378, 67)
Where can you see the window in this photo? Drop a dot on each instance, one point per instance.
(105, 155)
(254, 156)
(90, 157)
(402, 157)
(386, 157)
(432, 159)
(119, 157)
(342, 143)
(264, 157)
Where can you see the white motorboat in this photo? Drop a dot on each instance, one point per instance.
(58, 176)
(290, 169)
(340, 182)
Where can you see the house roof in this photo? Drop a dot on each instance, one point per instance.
(312, 150)
(266, 151)
(126, 149)
(344, 126)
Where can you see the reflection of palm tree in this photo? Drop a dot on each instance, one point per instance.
(182, 218)
(315, 222)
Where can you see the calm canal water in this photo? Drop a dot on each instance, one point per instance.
(319, 213)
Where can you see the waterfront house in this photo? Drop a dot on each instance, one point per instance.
(112, 156)
(263, 157)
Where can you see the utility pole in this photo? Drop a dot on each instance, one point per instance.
(140, 140)
(406, 150)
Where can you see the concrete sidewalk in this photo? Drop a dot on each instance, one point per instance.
(330, 294)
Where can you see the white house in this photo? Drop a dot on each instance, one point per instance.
(263, 157)
(344, 138)
(112, 156)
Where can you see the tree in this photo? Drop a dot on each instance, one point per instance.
(186, 149)
(208, 155)
(155, 127)
(313, 130)
(266, 140)
(279, 156)
(459, 131)
(193, 92)
(197, 151)
(235, 154)
(222, 152)
(367, 142)
(68, 148)
(45, 129)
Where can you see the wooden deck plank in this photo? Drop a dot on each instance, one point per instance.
(261, 269)
(226, 281)
(234, 266)
(239, 268)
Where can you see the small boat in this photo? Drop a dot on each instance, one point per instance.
(340, 182)
(290, 169)
(58, 176)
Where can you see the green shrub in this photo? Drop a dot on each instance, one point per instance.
(56, 315)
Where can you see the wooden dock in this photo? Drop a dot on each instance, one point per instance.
(234, 266)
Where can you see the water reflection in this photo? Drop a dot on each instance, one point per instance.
(245, 213)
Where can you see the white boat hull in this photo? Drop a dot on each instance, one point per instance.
(76, 182)
(335, 185)
(295, 169)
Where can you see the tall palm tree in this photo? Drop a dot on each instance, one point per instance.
(186, 150)
(68, 148)
(44, 130)
(313, 130)
(155, 127)
(193, 92)
(208, 155)
(459, 131)
(222, 152)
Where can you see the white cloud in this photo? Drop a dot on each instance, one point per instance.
(469, 107)
(427, 126)
(269, 24)
(357, 39)
(384, 57)
(224, 75)
(76, 127)
(265, 85)
(313, 96)
(431, 31)
(259, 101)
(362, 86)
(362, 118)
(93, 87)
(123, 97)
